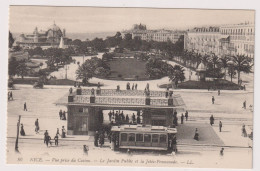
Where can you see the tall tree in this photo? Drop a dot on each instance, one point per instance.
(22, 69)
(176, 74)
(242, 63)
(224, 63)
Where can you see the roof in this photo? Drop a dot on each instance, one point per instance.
(130, 99)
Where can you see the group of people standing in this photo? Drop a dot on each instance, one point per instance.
(99, 138)
(128, 86)
(62, 115)
(120, 117)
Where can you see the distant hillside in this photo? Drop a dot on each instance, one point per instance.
(81, 36)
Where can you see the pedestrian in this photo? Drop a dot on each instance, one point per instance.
(133, 118)
(244, 87)
(220, 126)
(22, 132)
(136, 86)
(48, 141)
(127, 118)
(96, 136)
(138, 120)
(11, 95)
(186, 115)
(133, 86)
(211, 120)
(37, 127)
(167, 92)
(63, 132)
(101, 139)
(222, 151)
(58, 132)
(56, 138)
(244, 133)
(182, 117)
(46, 134)
(60, 114)
(64, 115)
(218, 92)
(24, 107)
(196, 136)
(70, 90)
(213, 100)
(174, 143)
(110, 115)
(75, 84)
(244, 104)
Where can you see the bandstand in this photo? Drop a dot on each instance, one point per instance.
(85, 105)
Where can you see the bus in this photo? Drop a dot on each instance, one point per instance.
(145, 137)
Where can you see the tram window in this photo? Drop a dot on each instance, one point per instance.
(139, 137)
(155, 138)
(123, 137)
(162, 138)
(147, 138)
(131, 137)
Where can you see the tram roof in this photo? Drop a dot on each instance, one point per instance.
(141, 128)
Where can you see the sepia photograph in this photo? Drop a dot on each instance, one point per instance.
(135, 87)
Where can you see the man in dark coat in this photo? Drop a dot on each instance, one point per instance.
(96, 136)
(211, 120)
(186, 115)
(60, 114)
(64, 115)
(24, 107)
(22, 132)
(46, 134)
(182, 117)
(213, 100)
(56, 138)
(37, 127)
(133, 118)
(196, 136)
(101, 139)
(220, 126)
(127, 118)
(110, 115)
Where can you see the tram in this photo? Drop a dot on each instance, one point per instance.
(143, 137)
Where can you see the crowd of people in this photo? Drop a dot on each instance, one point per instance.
(121, 118)
(128, 86)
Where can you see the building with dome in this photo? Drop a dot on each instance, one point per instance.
(49, 38)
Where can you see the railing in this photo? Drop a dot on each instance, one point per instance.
(111, 92)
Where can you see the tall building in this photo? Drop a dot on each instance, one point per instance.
(160, 35)
(51, 37)
(224, 40)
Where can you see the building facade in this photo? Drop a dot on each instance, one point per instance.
(160, 35)
(51, 37)
(237, 39)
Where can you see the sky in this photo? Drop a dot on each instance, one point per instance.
(92, 19)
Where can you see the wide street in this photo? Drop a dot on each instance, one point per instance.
(40, 104)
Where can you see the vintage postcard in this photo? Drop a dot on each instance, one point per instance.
(99, 86)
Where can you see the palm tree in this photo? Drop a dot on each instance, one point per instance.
(242, 63)
(176, 74)
(214, 59)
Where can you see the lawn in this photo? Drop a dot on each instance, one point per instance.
(217, 84)
(127, 69)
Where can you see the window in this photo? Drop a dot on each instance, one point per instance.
(81, 110)
(155, 138)
(162, 138)
(147, 138)
(123, 137)
(131, 137)
(139, 137)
